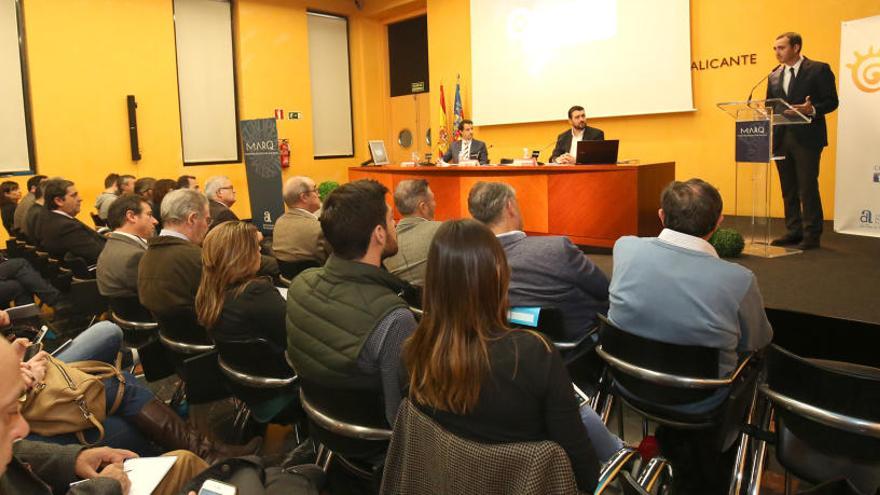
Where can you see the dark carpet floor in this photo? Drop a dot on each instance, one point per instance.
(840, 279)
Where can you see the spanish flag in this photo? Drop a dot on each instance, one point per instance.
(443, 135)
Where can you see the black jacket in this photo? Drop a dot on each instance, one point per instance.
(60, 234)
(814, 79)
(563, 142)
(220, 213)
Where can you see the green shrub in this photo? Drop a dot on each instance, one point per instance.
(325, 188)
(727, 242)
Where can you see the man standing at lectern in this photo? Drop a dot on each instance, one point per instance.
(565, 151)
(809, 87)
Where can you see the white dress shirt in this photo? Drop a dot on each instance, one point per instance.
(786, 74)
(573, 149)
(686, 241)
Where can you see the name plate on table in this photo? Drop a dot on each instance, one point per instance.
(523, 162)
(468, 163)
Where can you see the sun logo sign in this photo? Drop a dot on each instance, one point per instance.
(866, 71)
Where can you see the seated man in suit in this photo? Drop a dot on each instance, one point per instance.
(565, 151)
(415, 231)
(221, 195)
(131, 218)
(467, 148)
(673, 288)
(170, 270)
(345, 320)
(297, 235)
(60, 232)
(33, 184)
(30, 228)
(545, 271)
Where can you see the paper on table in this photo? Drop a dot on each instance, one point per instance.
(146, 473)
(283, 292)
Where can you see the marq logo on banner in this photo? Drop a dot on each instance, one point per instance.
(866, 71)
(755, 130)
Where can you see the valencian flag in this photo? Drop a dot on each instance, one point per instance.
(457, 112)
(443, 135)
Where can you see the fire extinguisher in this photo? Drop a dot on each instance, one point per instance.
(284, 149)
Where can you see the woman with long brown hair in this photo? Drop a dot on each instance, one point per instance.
(10, 193)
(234, 304)
(476, 376)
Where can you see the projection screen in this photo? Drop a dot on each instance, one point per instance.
(533, 59)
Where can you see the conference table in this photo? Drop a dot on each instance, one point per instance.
(593, 205)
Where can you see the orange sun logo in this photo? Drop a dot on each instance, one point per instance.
(866, 71)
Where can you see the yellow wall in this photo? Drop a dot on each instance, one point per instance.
(701, 142)
(85, 56)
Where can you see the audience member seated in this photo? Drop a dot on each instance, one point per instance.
(107, 196)
(10, 194)
(546, 271)
(170, 270)
(673, 288)
(162, 188)
(415, 201)
(39, 468)
(26, 202)
(480, 379)
(35, 215)
(345, 320)
(143, 187)
(234, 304)
(139, 419)
(221, 195)
(131, 219)
(187, 182)
(20, 282)
(297, 235)
(60, 231)
(126, 184)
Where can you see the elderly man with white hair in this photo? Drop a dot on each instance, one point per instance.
(221, 196)
(297, 235)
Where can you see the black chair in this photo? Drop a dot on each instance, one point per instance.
(290, 269)
(256, 373)
(81, 270)
(136, 322)
(86, 300)
(656, 379)
(194, 358)
(97, 220)
(57, 275)
(13, 248)
(348, 425)
(827, 417)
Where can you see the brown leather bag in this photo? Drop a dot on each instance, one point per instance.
(71, 398)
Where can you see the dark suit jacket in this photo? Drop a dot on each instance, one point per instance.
(814, 79)
(478, 152)
(550, 271)
(220, 213)
(563, 141)
(31, 227)
(117, 271)
(60, 234)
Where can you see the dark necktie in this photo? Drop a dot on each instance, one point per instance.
(790, 81)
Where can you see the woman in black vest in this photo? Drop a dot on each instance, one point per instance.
(238, 308)
(482, 380)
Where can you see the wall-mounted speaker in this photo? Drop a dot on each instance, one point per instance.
(133, 128)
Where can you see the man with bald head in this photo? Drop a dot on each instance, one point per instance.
(297, 235)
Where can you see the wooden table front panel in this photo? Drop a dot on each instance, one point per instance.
(592, 205)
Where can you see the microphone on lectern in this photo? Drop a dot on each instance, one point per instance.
(762, 80)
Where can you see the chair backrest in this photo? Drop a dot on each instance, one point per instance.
(834, 407)
(80, 268)
(255, 357)
(131, 310)
(424, 458)
(547, 320)
(672, 360)
(290, 269)
(86, 298)
(347, 421)
(183, 328)
(97, 220)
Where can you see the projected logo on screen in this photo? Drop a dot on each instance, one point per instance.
(542, 32)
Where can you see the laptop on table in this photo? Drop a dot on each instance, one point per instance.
(597, 152)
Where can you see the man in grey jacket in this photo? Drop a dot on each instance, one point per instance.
(131, 218)
(545, 271)
(415, 231)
